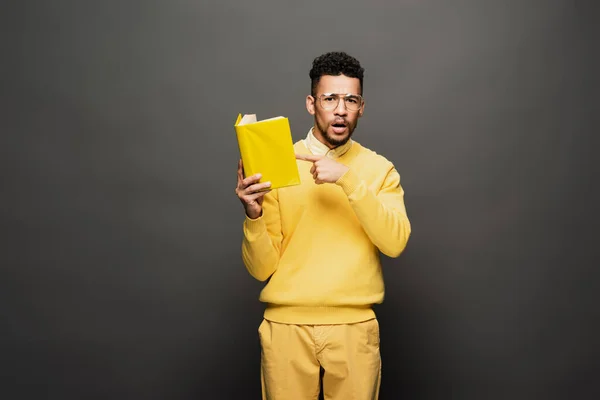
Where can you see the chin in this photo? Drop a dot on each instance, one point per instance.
(336, 140)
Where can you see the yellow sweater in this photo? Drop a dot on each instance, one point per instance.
(320, 244)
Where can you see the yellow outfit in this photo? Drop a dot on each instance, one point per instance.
(319, 245)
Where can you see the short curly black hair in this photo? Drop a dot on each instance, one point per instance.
(335, 63)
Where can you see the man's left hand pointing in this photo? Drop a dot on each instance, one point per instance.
(324, 170)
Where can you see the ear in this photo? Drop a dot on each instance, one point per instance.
(361, 109)
(310, 104)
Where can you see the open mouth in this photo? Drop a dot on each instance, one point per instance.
(339, 127)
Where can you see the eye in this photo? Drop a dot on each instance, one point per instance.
(329, 99)
(352, 99)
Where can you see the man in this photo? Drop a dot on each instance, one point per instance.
(318, 243)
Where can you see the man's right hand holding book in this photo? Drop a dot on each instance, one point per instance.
(250, 192)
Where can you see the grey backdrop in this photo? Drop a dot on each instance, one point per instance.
(121, 270)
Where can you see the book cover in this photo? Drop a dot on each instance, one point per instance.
(266, 147)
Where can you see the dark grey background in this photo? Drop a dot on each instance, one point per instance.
(121, 270)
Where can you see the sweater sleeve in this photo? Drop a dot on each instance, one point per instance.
(382, 214)
(261, 243)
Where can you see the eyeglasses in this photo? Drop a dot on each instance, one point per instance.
(330, 101)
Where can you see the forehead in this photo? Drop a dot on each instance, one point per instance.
(338, 84)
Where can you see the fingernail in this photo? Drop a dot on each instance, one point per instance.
(259, 176)
(268, 183)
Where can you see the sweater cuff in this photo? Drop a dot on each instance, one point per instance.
(254, 227)
(348, 182)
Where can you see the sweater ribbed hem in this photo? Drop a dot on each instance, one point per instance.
(300, 315)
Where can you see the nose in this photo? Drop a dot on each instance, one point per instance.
(340, 109)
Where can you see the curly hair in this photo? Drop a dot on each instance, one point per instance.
(335, 63)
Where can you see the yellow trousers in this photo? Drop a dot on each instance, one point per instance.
(292, 357)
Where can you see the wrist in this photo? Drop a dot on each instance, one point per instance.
(253, 214)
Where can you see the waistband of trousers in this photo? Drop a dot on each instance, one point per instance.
(318, 315)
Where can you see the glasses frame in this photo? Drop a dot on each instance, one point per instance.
(339, 96)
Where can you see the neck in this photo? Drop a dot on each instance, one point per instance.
(321, 138)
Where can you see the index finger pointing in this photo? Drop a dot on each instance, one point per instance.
(307, 157)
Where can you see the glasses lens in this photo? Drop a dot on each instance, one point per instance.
(353, 102)
(329, 101)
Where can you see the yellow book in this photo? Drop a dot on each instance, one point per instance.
(266, 147)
